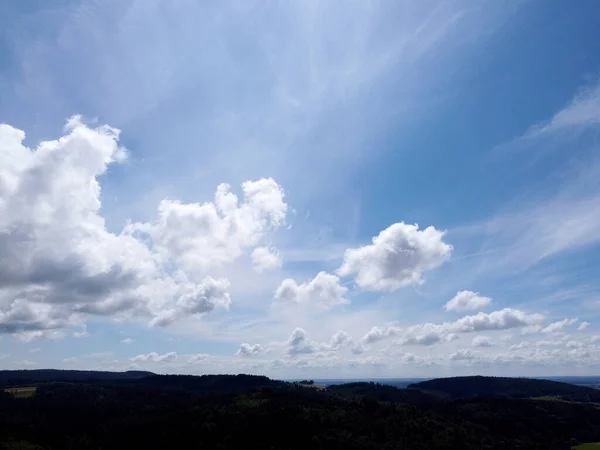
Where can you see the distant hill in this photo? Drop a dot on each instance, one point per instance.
(384, 393)
(189, 383)
(206, 383)
(500, 387)
(18, 377)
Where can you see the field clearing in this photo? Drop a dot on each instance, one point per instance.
(590, 446)
(21, 392)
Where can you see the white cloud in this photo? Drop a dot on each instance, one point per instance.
(338, 340)
(558, 326)
(583, 325)
(265, 258)
(467, 301)
(481, 341)
(430, 333)
(376, 334)
(155, 357)
(199, 299)
(463, 354)
(298, 343)
(127, 341)
(498, 320)
(59, 264)
(426, 334)
(323, 291)
(398, 257)
(202, 236)
(520, 346)
(250, 350)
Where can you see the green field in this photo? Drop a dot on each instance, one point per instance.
(21, 392)
(591, 446)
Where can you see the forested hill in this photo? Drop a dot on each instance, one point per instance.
(385, 393)
(105, 410)
(500, 387)
(19, 377)
(182, 412)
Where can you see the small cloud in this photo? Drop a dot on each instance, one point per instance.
(155, 357)
(80, 334)
(35, 350)
(463, 354)
(250, 350)
(467, 301)
(127, 341)
(481, 341)
(583, 325)
(555, 327)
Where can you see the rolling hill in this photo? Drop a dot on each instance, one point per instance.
(500, 387)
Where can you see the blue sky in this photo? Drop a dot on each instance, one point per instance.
(200, 187)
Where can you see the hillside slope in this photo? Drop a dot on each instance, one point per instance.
(19, 377)
(500, 387)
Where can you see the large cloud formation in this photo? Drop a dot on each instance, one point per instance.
(398, 257)
(60, 264)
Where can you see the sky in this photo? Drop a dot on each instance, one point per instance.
(337, 189)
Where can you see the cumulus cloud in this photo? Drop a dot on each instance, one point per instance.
(202, 236)
(298, 343)
(155, 357)
(127, 341)
(249, 350)
(323, 291)
(431, 333)
(338, 340)
(467, 301)
(397, 257)
(558, 325)
(463, 354)
(503, 319)
(265, 258)
(199, 299)
(59, 264)
(376, 334)
(426, 334)
(481, 341)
